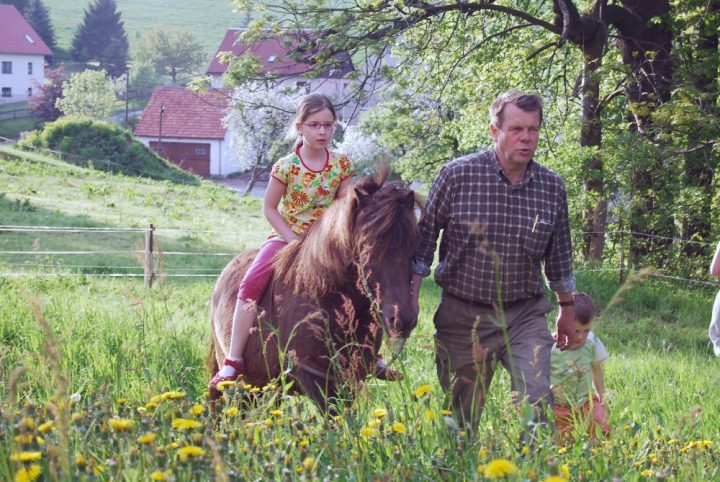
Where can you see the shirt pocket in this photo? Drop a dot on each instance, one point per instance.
(538, 237)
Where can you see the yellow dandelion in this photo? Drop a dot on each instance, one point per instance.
(673, 441)
(707, 444)
(120, 424)
(147, 438)
(299, 469)
(303, 443)
(232, 411)
(28, 423)
(269, 422)
(23, 439)
(190, 451)
(185, 424)
(46, 427)
(499, 468)
(309, 464)
(98, 470)
(647, 473)
(367, 432)
(197, 410)
(26, 456)
(122, 401)
(156, 399)
(422, 390)
(255, 390)
(555, 478)
(247, 386)
(276, 413)
(173, 395)
(525, 450)
(445, 412)
(270, 387)
(374, 423)
(562, 450)
(564, 470)
(80, 460)
(142, 410)
(151, 405)
(159, 475)
(398, 427)
(28, 474)
(379, 412)
(40, 441)
(483, 452)
(337, 418)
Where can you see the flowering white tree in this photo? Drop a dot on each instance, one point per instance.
(366, 151)
(88, 94)
(258, 122)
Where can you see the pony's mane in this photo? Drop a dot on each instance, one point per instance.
(368, 219)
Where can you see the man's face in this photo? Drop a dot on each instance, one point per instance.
(517, 139)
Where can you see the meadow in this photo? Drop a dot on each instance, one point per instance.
(207, 19)
(103, 379)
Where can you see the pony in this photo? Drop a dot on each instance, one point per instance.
(336, 290)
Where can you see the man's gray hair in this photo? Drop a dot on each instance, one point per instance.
(526, 102)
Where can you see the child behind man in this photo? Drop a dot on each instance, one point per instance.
(576, 371)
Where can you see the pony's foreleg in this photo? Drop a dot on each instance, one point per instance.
(321, 390)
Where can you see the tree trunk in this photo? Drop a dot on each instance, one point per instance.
(253, 175)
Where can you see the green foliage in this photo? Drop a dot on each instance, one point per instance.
(171, 52)
(101, 37)
(89, 94)
(37, 14)
(107, 147)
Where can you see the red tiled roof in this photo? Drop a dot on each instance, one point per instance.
(273, 53)
(17, 36)
(186, 114)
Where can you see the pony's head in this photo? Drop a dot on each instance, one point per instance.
(371, 231)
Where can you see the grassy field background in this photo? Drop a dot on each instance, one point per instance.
(102, 379)
(207, 19)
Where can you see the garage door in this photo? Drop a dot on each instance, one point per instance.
(193, 157)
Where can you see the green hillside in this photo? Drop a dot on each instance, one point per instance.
(208, 19)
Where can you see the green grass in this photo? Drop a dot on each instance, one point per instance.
(208, 19)
(118, 347)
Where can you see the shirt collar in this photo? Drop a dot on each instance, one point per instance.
(529, 172)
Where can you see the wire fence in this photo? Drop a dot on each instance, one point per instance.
(152, 262)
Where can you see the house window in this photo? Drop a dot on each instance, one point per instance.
(29, 91)
(7, 67)
(303, 86)
(29, 68)
(200, 151)
(6, 92)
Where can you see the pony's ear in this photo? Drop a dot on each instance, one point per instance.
(365, 188)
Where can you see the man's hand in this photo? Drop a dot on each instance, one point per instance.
(565, 327)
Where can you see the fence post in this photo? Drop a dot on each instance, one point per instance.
(622, 251)
(149, 272)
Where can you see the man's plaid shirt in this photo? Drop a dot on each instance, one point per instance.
(494, 231)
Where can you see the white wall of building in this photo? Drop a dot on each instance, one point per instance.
(19, 81)
(223, 160)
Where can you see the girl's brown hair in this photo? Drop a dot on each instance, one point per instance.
(308, 105)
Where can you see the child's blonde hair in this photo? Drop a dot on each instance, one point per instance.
(309, 104)
(585, 309)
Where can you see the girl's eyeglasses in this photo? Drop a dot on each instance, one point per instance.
(314, 126)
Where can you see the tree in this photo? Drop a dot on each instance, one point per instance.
(172, 52)
(36, 13)
(257, 123)
(21, 5)
(365, 150)
(43, 104)
(89, 94)
(442, 41)
(101, 37)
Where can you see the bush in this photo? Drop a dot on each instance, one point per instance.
(107, 147)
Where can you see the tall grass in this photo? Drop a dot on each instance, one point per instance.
(101, 379)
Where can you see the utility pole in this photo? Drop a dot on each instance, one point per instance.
(127, 94)
(159, 146)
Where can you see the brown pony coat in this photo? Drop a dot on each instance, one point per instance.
(319, 317)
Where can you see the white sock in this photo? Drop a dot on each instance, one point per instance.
(227, 370)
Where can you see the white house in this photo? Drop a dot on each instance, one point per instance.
(273, 54)
(22, 56)
(186, 128)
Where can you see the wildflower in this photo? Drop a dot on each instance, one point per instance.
(232, 411)
(525, 450)
(499, 468)
(24, 439)
(379, 412)
(46, 427)
(151, 405)
(147, 438)
(276, 413)
(269, 387)
(28, 474)
(185, 424)
(303, 443)
(80, 460)
(172, 395)
(562, 450)
(120, 424)
(647, 473)
(26, 456)
(255, 390)
(98, 470)
(156, 399)
(142, 410)
(375, 422)
(190, 451)
(197, 410)
(673, 441)
(122, 401)
(445, 412)
(399, 428)
(367, 432)
(309, 464)
(564, 470)
(555, 478)
(160, 475)
(422, 390)
(483, 452)
(429, 415)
